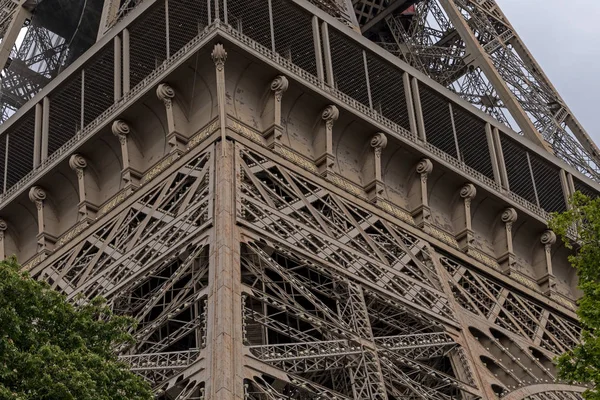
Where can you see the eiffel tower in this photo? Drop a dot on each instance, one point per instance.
(298, 200)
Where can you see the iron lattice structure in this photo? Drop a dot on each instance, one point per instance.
(333, 301)
(468, 46)
(290, 212)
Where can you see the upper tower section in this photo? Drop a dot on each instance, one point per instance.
(470, 47)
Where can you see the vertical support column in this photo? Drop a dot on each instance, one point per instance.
(82, 116)
(271, 114)
(176, 119)
(566, 188)
(45, 219)
(117, 69)
(493, 156)
(318, 49)
(45, 127)
(535, 191)
(456, 146)
(126, 61)
(418, 109)
(219, 56)
(500, 159)
(37, 136)
(78, 164)
(272, 26)
(167, 30)
(6, 153)
(367, 80)
(371, 169)
(129, 175)
(327, 54)
(418, 196)
(462, 217)
(225, 381)
(224, 336)
(543, 263)
(3, 229)
(224, 350)
(504, 242)
(323, 140)
(570, 183)
(366, 375)
(410, 105)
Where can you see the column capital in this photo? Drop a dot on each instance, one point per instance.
(219, 56)
(548, 238)
(121, 129)
(424, 167)
(330, 114)
(37, 195)
(279, 85)
(77, 163)
(509, 215)
(468, 191)
(165, 92)
(378, 143)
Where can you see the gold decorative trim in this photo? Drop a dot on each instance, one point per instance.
(71, 234)
(347, 186)
(565, 302)
(443, 236)
(396, 212)
(112, 203)
(484, 258)
(296, 159)
(525, 281)
(203, 134)
(245, 131)
(158, 168)
(35, 261)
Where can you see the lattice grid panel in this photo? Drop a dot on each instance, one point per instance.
(437, 120)
(517, 168)
(187, 18)
(20, 149)
(585, 188)
(99, 84)
(293, 35)
(387, 91)
(348, 67)
(548, 185)
(148, 38)
(472, 141)
(65, 113)
(251, 17)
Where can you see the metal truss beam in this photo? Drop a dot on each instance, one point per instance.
(470, 47)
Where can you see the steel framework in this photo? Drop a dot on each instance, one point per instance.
(289, 212)
(470, 47)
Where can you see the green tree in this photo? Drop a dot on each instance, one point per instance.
(582, 364)
(53, 350)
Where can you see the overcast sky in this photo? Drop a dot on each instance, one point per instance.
(564, 37)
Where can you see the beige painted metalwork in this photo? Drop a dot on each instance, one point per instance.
(291, 213)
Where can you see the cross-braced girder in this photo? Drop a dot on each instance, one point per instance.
(470, 47)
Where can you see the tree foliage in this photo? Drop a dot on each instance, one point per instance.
(582, 364)
(53, 350)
